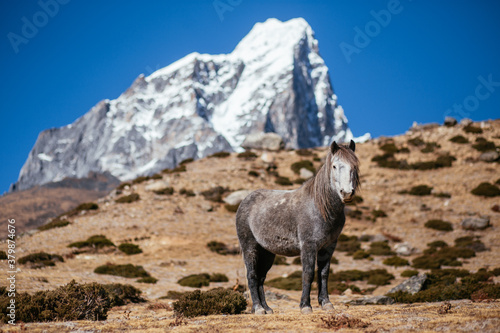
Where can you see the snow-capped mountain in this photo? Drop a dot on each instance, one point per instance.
(274, 81)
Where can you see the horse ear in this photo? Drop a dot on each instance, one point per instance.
(352, 146)
(334, 147)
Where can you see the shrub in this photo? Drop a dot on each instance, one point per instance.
(335, 321)
(486, 190)
(349, 244)
(165, 191)
(172, 294)
(349, 275)
(148, 279)
(232, 208)
(442, 195)
(186, 192)
(81, 207)
(303, 152)
(215, 301)
(221, 248)
(420, 190)
(220, 154)
(121, 294)
(409, 273)
(300, 181)
(334, 261)
(128, 270)
(128, 198)
(129, 248)
(429, 147)
(96, 241)
(215, 193)
(360, 254)
(123, 185)
(355, 201)
(140, 179)
(439, 225)
(459, 139)
(195, 280)
(3, 255)
(380, 249)
(376, 213)
(437, 244)
(484, 146)
(247, 155)
(355, 214)
(441, 162)
(446, 255)
(218, 277)
(187, 161)
(472, 129)
(389, 148)
(468, 242)
(284, 181)
(297, 261)
(379, 277)
(56, 223)
(177, 169)
(253, 173)
(291, 282)
(40, 259)
(396, 261)
(302, 164)
(280, 260)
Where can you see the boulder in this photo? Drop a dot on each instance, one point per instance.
(306, 174)
(466, 122)
(475, 223)
(380, 300)
(489, 156)
(412, 285)
(263, 141)
(156, 186)
(236, 197)
(267, 157)
(450, 121)
(404, 249)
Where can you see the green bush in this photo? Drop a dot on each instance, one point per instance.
(469, 242)
(303, 152)
(380, 249)
(247, 155)
(186, 161)
(389, 148)
(280, 260)
(129, 248)
(172, 294)
(215, 193)
(297, 261)
(355, 201)
(484, 145)
(434, 258)
(429, 147)
(123, 185)
(349, 244)
(253, 173)
(165, 191)
(355, 214)
(218, 277)
(140, 179)
(334, 261)
(486, 190)
(360, 254)
(376, 213)
(396, 261)
(442, 195)
(3, 255)
(442, 161)
(284, 181)
(40, 259)
(220, 154)
(420, 190)
(96, 241)
(195, 280)
(437, 244)
(232, 208)
(416, 142)
(215, 301)
(187, 192)
(349, 275)
(221, 248)
(303, 164)
(409, 273)
(81, 207)
(148, 279)
(291, 282)
(128, 270)
(122, 294)
(472, 129)
(439, 225)
(128, 198)
(56, 223)
(379, 277)
(459, 139)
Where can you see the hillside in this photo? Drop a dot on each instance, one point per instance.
(173, 231)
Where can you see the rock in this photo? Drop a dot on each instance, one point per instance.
(236, 197)
(475, 223)
(404, 249)
(378, 238)
(306, 174)
(466, 122)
(380, 300)
(206, 207)
(450, 121)
(412, 285)
(489, 156)
(156, 186)
(267, 158)
(263, 141)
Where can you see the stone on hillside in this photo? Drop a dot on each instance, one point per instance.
(306, 174)
(236, 197)
(267, 157)
(157, 186)
(466, 122)
(475, 223)
(263, 141)
(378, 238)
(413, 285)
(404, 249)
(380, 300)
(489, 156)
(450, 121)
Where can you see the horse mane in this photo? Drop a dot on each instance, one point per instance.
(319, 187)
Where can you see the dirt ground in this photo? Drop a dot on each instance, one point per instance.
(173, 232)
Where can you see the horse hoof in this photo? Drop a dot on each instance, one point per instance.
(327, 307)
(269, 311)
(306, 310)
(260, 311)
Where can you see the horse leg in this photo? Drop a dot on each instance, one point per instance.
(251, 255)
(324, 257)
(266, 260)
(308, 257)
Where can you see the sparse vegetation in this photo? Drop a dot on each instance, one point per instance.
(40, 259)
(215, 301)
(221, 248)
(140, 179)
(439, 225)
(148, 279)
(280, 260)
(409, 273)
(303, 152)
(121, 294)
(429, 147)
(232, 208)
(96, 241)
(396, 261)
(459, 139)
(349, 244)
(355, 201)
(360, 254)
(378, 277)
(336, 321)
(440, 254)
(420, 190)
(177, 169)
(306, 164)
(355, 214)
(195, 280)
(122, 186)
(220, 154)
(247, 155)
(3, 255)
(486, 190)
(128, 198)
(469, 242)
(416, 142)
(389, 147)
(380, 249)
(218, 277)
(127, 270)
(80, 208)
(472, 129)
(186, 161)
(376, 213)
(187, 192)
(165, 191)
(129, 248)
(215, 193)
(56, 223)
(483, 145)
(284, 181)
(291, 282)
(253, 173)
(442, 195)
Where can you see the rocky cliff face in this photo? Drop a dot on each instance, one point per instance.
(274, 81)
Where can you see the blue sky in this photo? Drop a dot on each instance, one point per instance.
(412, 66)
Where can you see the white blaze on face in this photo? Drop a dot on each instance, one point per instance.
(342, 177)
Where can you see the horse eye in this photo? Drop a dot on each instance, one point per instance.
(334, 167)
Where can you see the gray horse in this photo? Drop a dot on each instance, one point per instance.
(306, 222)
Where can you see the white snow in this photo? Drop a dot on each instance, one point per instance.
(45, 157)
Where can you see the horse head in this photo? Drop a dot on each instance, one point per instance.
(344, 171)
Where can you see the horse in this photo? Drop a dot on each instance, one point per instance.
(306, 221)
